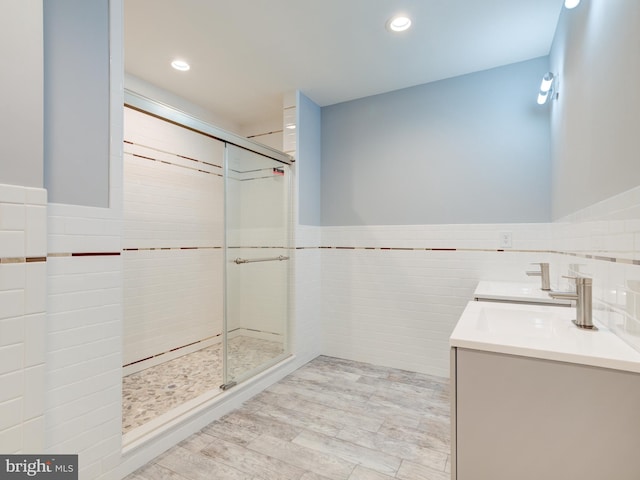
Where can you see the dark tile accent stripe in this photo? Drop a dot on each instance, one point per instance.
(199, 161)
(602, 258)
(211, 164)
(36, 259)
(8, 260)
(137, 155)
(627, 261)
(140, 249)
(264, 134)
(12, 260)
(261, 247)
(264, 247)
(172, 350)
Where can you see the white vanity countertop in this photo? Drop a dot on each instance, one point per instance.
(541, 331)
(515, 292)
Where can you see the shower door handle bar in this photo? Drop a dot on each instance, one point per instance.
(279, 258)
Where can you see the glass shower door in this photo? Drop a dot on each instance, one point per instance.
(256, 263)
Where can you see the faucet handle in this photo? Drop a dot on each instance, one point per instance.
(543, 273)
(580, 280)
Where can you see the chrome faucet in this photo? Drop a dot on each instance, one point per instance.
(582, 296)
(543, 273)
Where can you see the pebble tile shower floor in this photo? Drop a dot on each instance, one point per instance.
(331, 419)
(156, 390)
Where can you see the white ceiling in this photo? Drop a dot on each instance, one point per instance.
(245, 54)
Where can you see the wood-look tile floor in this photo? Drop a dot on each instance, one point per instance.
(331, 419)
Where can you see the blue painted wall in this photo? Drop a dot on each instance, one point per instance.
(308, 160)
(596, 120)
(21, 85)
(471, 149)
(76, 102)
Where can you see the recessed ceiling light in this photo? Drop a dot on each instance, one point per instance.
(180, 65)
(571, 3)
(399, 23)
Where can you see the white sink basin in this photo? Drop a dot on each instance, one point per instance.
(540, 331)
(500, 321)
(516, 292)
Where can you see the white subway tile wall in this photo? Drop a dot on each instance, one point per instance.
(258, 291)
(257, 227)
(84, 348)
(83, 394)
(172, 298)
(603, 242)
(306, 304)
(392, 295)
(388, 305)
(174, 233)
(172, 238)
(23, 275)
(289, 127)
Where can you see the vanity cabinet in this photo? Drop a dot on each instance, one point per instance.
(526, 418)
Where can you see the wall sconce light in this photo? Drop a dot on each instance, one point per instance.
(571, 3)
(547, 89)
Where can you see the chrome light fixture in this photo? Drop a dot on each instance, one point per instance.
(547, 89)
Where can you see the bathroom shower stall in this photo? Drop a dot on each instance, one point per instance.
(206, 248)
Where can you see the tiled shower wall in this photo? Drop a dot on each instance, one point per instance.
(174, 236)
(172, 239)
(23, 276)
(257, 202)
